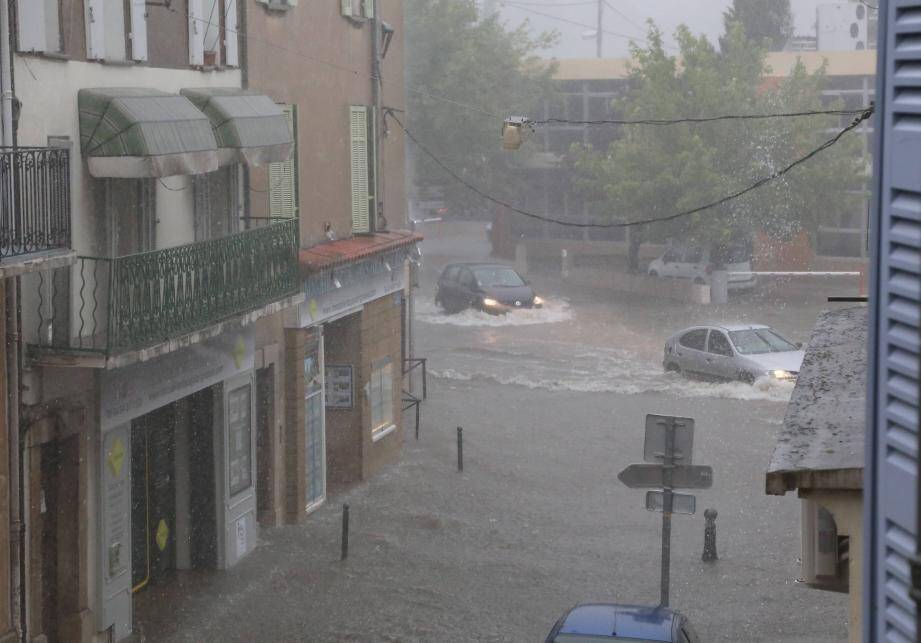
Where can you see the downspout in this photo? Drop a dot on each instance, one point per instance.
(377, 102)
(13, 355)
(243, 47)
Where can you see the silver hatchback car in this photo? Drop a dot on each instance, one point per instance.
(742, 352)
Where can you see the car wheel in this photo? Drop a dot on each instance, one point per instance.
(653, 273)
(746, 378)
(699, 281)
(672, 367)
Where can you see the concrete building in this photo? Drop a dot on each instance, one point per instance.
(152, 365)
(820, 455)
(347, 342)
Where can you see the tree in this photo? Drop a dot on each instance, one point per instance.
(464, 75)
(656, 171)
(766, 22)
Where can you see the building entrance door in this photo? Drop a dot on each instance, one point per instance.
(315, 424)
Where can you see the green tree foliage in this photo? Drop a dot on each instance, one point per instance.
(453, 55)
(766, 22)
(655, 171)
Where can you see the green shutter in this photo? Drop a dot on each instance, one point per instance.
(358, 125)
(283, 176)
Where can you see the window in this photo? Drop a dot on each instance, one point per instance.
(214, 32)
(217, 203)
(381, 394)
(467, 280)
(695, 339)
(283, 193)
(39, 25)
(358, 8)
(761, 340)
(239, 439)
(719, 344)
(451, 273)
(364, 204)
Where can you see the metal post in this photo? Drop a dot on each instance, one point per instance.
(424, 379)
(417, 420)
(345, 531)
(709, 554)
(460, 449)
(598, 35)
(667, 463)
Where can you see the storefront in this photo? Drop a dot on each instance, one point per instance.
(176, 469)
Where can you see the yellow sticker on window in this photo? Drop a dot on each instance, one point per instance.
(162, 534)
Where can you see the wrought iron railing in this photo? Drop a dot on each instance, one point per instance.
(34, 200)
(113, 305)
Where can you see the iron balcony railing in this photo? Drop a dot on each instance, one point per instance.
(34, 200)
(115, 305)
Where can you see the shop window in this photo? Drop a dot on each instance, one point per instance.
(381, 396)
(240, 431)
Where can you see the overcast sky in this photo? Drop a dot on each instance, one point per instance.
(702, 16)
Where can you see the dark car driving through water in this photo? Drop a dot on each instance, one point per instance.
(490, 287)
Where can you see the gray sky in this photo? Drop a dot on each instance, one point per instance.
(702, 16)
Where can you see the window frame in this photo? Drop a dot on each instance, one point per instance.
(380, 395)
(703, 346)
(721, 335)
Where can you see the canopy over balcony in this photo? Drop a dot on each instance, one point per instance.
(248, 126)
(137, 132)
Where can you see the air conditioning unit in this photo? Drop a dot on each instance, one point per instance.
(843, 26)
(826, 554)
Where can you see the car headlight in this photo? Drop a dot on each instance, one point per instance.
(489, 301)
(782, 375)
(538, 301)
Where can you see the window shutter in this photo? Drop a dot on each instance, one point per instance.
(95, 30)
(283, 176)
(891, 483)
(347, 8)
(231, 38)
(368, 8)
(196, 33)
(139, 29)
(31, 25)
(358, 125)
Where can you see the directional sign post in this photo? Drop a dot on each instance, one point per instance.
(668, 448)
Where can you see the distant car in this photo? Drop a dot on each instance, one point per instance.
(494, 288)
(694, 263)
(600, 622)
(742, 352)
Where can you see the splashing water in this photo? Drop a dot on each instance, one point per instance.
(553, 311)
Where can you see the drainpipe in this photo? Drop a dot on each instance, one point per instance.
(377, 101)
(13, 353)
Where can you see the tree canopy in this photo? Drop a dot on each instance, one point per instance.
(465, 74)
(767, 23)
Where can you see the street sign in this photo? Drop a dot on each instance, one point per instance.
(652, 476)
(682, 503)
(656, 435)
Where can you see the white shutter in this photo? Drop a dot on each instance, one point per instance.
(31, 25)
(283, 177)
(891, 493)
(358, 127)
(347, 8)
(368, 7)
(139, 29)
(231, 38)
(196, 33)
(95, 30)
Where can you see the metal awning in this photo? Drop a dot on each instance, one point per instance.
(248, 126)
(137, 132)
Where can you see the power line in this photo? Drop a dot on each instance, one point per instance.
(611, 6)
(701, 119)
(865, 114)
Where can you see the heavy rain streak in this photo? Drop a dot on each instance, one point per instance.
(436, 320)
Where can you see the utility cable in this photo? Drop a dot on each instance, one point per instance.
(700, 119)
(864, 115)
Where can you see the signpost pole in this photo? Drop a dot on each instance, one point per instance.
(667, 463)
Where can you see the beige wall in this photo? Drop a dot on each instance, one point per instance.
(312, 57)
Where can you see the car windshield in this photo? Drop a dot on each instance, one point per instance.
(497, 276)
(760, 340)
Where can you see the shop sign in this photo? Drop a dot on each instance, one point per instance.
(339, 386)
(134, 390)
(347, 298)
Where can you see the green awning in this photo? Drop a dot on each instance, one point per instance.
(137, 132)
(248, 126)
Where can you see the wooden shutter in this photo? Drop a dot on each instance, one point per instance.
(196, 33)
(95, 30)
(231, 38)
(891, 480)
(138, 29)
(358, 126)
(31, 23)
(283, 176)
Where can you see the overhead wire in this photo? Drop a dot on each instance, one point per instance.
(699, 119)
(864, 115)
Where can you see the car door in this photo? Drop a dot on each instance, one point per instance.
(467, 288)
(691, 350)
(447, 286)
(720, 359)
(691, 266)
(669, 260)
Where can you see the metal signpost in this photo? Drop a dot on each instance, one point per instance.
(669, 447)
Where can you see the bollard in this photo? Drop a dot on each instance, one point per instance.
(345, 531)
(460, 449)
(709, 554)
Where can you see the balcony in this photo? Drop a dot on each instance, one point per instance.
(34, 209)
(102, 308)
